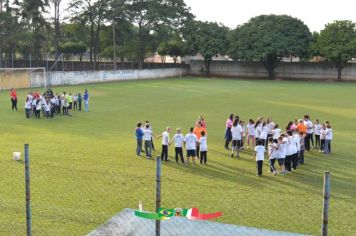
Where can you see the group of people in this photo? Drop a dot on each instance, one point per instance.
(50, 104)
(287, 146)
(195, 142)
(265, 137)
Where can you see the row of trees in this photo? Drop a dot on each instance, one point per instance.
(135, 29)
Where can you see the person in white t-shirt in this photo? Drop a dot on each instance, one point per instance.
(190, 141)
(322, 137)
(295, 159)
(260, 156)
(236, 132)
(178, 139)
(147, 137)
(270, 127)
(328, 138)
(258, 130)
(291, 151)
(281, 152)
(272, 154)
(276, 133)
(165, 143)
(28, 106)
(47, 109)
(250, 128)
(264, 133)
(203, 147)
(243, 139)
(317, 132)
(309, 132)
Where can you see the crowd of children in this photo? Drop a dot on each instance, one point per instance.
(195, 142)
(50, 104)
(286, 147)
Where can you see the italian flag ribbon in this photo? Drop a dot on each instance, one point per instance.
(167, 213)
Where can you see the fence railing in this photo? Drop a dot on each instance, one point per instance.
(76, 65)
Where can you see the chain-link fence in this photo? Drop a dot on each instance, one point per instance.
(70, 206)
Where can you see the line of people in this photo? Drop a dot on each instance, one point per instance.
(195, 142)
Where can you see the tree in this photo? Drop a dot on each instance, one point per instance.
(175, 48)
(149, 15)
(9, 35)
(269, 38)
(92, 14)
(73, 48)
(337, 44)
(31, 13)
(207, 38)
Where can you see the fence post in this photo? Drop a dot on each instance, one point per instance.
(326, 198)
(28, 192)
(158, 193)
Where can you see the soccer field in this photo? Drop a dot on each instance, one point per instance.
(84, 168)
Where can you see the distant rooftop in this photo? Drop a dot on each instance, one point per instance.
(126, 223)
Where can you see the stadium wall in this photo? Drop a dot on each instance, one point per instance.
(58, 78)
(286, 70)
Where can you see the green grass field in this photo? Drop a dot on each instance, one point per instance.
(84, 169)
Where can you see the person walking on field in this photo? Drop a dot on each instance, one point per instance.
(13, 96)
(86, 100)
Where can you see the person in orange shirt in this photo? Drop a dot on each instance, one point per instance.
(301, 128)
(13, 96)
(197, 131)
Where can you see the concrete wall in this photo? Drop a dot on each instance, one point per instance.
(286, 70)
(84, 77)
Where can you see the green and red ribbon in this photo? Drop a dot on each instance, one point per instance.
(167, 213)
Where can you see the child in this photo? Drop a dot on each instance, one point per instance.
(272, 154)
(28, 105)
(302, 148)
(260, 156)
(317, 131)
(258, 130)
(203, 148)
(322, 137)
(190, 141)
(264, 133)
(47, 108)
(165, 143)
(75, 102)
(250, 133)
(242, 124)
(153, 145)
(276, 133)
(236, 132)
(328, 138)
(139, 137)
(38, 108)
(178, 139)
(281, 153)
(147, 137)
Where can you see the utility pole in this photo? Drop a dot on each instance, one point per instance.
(114, 43)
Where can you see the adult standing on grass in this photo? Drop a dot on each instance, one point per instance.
(139, 138)
(13, 96)
(228, 135)
(190, 141)
(309, 132)
(86, 100)
(147, 136)
(165, 143)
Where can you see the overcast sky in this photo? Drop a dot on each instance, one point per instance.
(314, 13)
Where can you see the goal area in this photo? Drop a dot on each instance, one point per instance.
(22, 78)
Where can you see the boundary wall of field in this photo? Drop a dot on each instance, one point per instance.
(59, 78)
(286, 70)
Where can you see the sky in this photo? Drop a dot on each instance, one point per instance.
(314, 13)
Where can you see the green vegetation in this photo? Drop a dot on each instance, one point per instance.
(84, 168)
